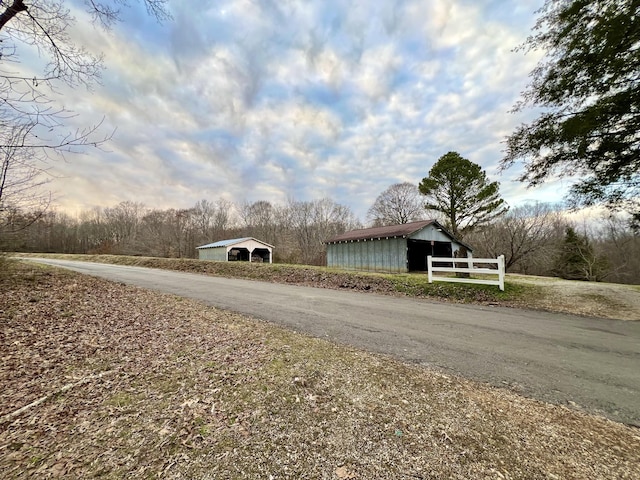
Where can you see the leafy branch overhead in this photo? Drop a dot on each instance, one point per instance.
(588, 89)
(460, 190)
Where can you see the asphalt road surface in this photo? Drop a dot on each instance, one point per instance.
(563, 359)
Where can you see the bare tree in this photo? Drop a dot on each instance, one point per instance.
(203, 213)
(32, 126)
(620, 244)
(398, 204)
(123, 222)
(521, 234)
(314, 222)
(259, 220)
(21, 183)
(157, 233)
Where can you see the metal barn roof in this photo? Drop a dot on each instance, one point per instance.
(233, 241)
(381, 232)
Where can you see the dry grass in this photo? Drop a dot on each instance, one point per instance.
(193, 392)
(595, 299)
(415, 285)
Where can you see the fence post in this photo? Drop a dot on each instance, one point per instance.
(429, 268)
(501, 270)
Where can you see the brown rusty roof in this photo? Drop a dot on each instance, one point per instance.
(381, 232)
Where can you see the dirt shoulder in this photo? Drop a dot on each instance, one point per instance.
(137, 384)
(593, 299)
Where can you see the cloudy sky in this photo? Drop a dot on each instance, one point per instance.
(298, 99)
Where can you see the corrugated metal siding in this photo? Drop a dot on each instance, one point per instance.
(431, 232)
(384, 255)
(218, 253)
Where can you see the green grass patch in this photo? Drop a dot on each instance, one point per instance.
(418, 285)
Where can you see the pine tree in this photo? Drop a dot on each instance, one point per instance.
(577, 259)
(461, 190)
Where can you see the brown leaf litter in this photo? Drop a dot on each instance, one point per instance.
(123, 382)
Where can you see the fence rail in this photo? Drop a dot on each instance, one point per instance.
(470, 269)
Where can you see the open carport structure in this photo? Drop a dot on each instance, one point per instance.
(394, 248)
(246, 249)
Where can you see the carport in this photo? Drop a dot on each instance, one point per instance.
(246, 249)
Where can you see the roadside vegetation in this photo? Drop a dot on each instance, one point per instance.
(596, 299)
(415, 285)
(121, 382)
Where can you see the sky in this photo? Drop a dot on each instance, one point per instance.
(250, 100)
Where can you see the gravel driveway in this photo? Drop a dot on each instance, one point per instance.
(594, 299)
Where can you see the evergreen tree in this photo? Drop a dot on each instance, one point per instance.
(588, 91)
(460, 190)
(577, 259)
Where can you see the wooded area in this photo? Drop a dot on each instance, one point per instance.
(536, 239)
(297, 229)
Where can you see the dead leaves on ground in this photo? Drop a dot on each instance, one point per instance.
(192, 392)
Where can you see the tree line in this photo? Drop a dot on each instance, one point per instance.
(297, 229)
(536, 238)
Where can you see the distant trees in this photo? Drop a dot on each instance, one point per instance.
(212, 219)
(587, 89)
(398, 204)
(32, 126)
(460, 190)
(532, 237)
(261, 220)
(620, 245)
(577, 260)
(313, 222)
(297, 229)
(525, 235)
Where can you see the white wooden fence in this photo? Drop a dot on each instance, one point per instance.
(468, 269)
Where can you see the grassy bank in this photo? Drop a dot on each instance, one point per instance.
(515, 294)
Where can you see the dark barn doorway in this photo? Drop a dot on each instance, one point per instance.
(419, 250)
(238, 254)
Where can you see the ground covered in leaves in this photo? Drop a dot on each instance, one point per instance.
(100, 379)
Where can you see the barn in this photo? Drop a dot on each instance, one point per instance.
(246, 249)
(395, 248)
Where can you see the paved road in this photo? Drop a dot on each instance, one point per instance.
(552, 357)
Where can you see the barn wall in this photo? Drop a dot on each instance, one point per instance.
(384, 255)
(218, 253)
(430, 232)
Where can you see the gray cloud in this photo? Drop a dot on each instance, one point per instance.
(272, 100)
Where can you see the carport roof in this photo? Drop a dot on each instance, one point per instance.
(233, 241)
